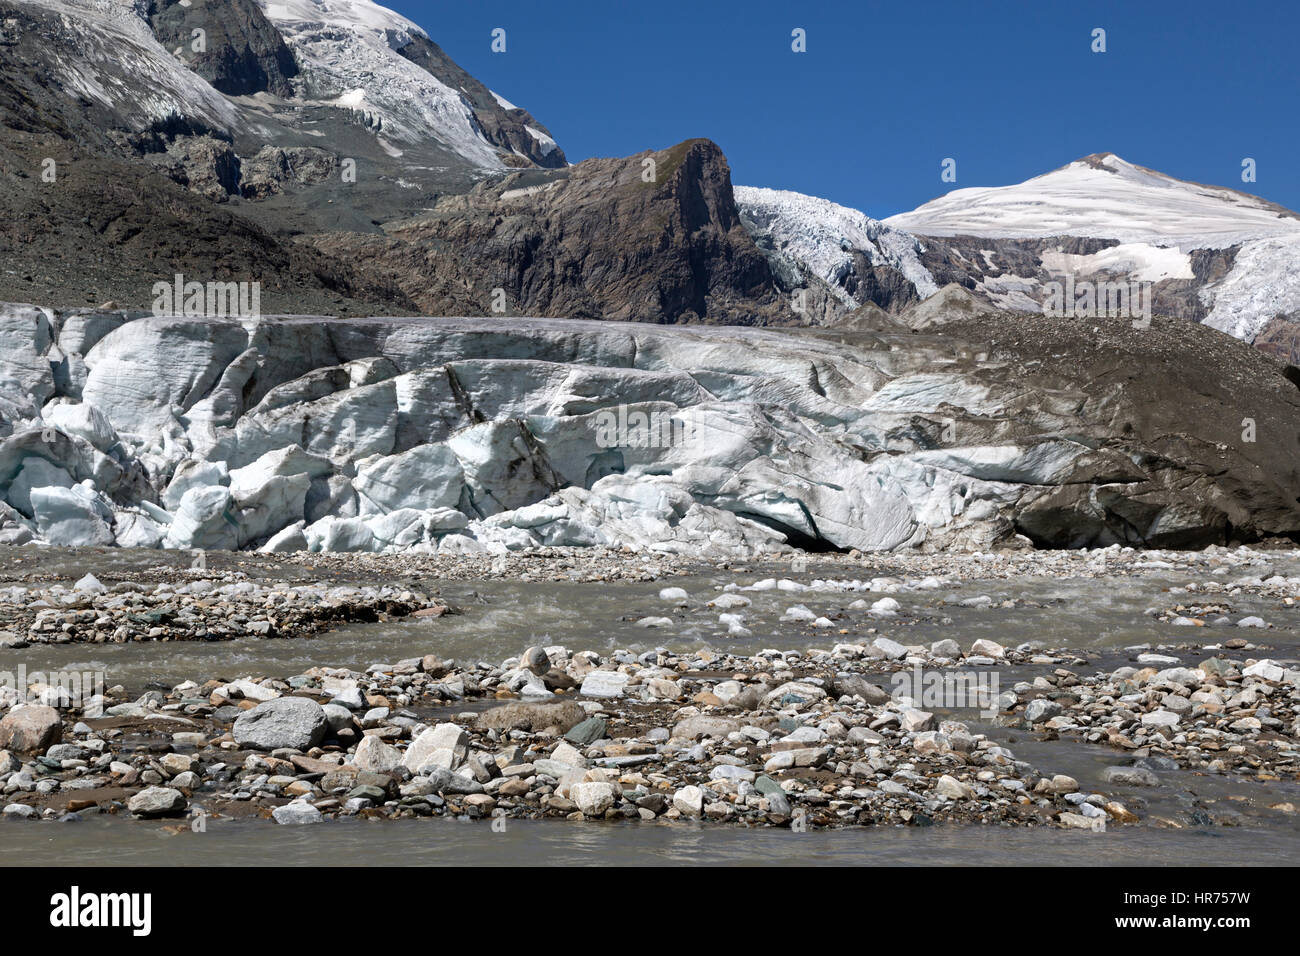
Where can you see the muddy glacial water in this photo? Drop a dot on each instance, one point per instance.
(1103, 619)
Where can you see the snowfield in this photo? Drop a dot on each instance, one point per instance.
(349, 48)
(1104, 197)
(1141, 261)
(357, 15)
(818, 235)
(1264, 283)
(347, 51)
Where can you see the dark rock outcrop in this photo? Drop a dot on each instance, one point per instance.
(596, 240)
(1207, 424)
(272, 169)
(202, 164)
(111, 229)
(242, 53)
(1280, 338)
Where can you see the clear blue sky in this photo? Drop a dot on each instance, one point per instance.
(886, 91)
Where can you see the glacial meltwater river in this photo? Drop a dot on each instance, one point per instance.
(1100, 617)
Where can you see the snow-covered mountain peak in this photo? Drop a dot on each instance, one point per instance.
(361, 16)
(376, 68)
(1104, 196)
(1118, 166)
(349, 54)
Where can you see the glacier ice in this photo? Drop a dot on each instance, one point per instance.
(459, 435)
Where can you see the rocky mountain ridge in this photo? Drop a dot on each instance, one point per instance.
(343, 136)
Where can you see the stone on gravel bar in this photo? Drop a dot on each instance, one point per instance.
(557, 717)
(604, 684)
(292, 723)
(30, 729)
(689, 801)
(157, 802)
(376, 756)
(297, 812)
(593, 799)
(585, 734)
(448, 738)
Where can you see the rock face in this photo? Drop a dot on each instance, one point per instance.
(242, 54)
(290, 722)
(273, 168)
(500, 434)
(654, 237)
(104, 222)
(202, 164)
(832, 258)
(444, 186)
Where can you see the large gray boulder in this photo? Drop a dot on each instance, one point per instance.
(157, 802)
(295, 723)
(556, 718)
(30, 729)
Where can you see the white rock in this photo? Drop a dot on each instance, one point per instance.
(602, 683)
(911, 720)
(89, 584)
(1267, 669)
(566, 753)
(446, 736)
(890, 649)
(376, 756)
(593, 799)
(296, 813)
(952, 788)
(689, 801)
(1160, 718)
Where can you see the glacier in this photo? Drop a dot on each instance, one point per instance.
(819, 235)
(287, 433)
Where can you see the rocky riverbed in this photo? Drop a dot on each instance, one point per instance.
(836, 725)
(772, 739)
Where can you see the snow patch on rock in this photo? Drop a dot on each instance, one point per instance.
(819, 235)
